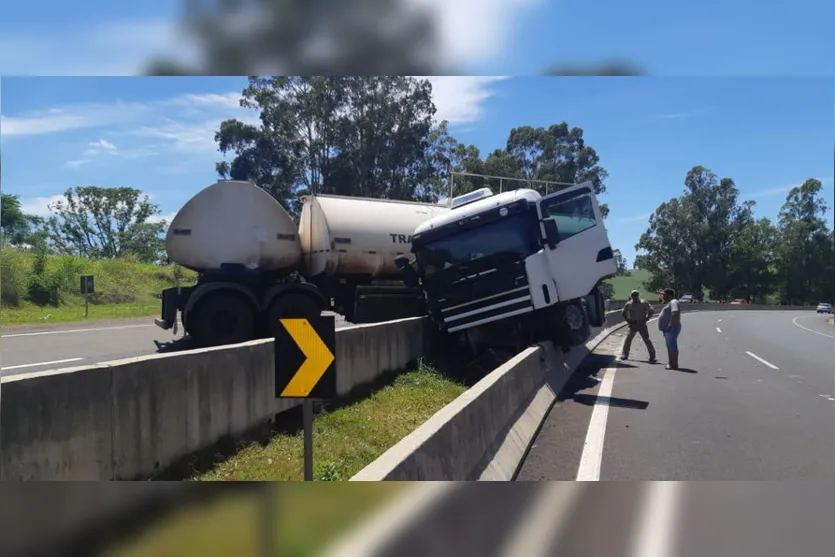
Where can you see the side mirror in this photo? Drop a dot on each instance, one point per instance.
(552, 233)
(407, 272)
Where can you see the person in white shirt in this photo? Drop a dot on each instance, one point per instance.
(669, 323)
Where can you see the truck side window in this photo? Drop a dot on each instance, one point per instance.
(572, 215)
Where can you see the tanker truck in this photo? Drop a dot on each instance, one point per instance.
(256, 266)
(514, 268)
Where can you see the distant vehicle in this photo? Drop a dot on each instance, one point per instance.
(739, 302)
(687, 299)
(823, 307)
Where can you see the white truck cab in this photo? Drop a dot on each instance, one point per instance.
(515, 261)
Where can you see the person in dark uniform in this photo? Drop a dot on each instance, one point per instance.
(637, 312)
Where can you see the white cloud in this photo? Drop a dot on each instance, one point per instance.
(469, 32)
(99, 147)
(119, 47)
(166, 217)
(120, 113)
(39, 206)
(78, 163)
(475, 31)
(780, 190)
(643, 217)
(460, 99)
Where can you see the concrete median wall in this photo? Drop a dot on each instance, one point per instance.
(485, 433)
(613, 305)
(129, 418)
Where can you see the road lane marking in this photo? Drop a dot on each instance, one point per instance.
(39, 333)
(658, 521)
(718, 330)
(592, 456)
(796, 324)
(387, 525)
(772, 366)
(543, 524)
(42, 364)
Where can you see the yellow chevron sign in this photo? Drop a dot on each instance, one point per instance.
(305, 365)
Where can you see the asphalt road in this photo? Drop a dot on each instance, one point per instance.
(754, 400)
(36, 348)
(633, 519)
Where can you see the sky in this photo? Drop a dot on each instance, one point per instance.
(156, 134)
(481, 37)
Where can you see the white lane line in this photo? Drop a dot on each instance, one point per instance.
(772, 366)
(42, 364)
(718, 330)
(390, 522)
(796, 324)
(592, 457)
(543, 524)
(658, 522)
(76, 331)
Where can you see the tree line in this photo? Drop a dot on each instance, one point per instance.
(356, 136)
(707, 242)
(377, 136)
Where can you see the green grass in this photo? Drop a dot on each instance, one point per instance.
(346, 439)
(309, 518)
(123, 288)
(635, 280)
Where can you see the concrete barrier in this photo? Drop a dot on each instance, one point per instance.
(127, 419)
(613, 305)
(485, 433)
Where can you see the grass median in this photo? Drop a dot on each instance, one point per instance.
(308, 519)
(347, 436)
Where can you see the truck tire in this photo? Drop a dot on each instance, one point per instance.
(576, 323)
(597, 308)
(294, 305)
(222, 318)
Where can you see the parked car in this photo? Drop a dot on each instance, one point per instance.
(823, 307)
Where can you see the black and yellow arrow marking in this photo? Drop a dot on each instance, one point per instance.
(305, 362)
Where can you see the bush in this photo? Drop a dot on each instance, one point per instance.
(15, 268)
(44, 290)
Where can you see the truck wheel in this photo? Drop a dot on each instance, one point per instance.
(597, 308)
(291, 306)
(221, 319)
(576, 321)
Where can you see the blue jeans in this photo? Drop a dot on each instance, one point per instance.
(671, 337)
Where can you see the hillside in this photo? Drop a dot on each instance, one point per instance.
(124, 288)
(623, 285)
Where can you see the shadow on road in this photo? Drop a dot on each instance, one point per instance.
(586, 377)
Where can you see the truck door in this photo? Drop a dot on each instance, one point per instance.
(583, 254)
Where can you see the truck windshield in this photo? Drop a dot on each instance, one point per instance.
(501, 238)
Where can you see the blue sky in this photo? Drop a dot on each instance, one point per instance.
(156, 134)
(489, 37)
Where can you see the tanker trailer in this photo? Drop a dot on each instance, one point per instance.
(255, 266)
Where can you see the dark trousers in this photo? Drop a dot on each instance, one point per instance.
(641, 329)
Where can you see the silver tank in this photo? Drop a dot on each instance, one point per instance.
(233, 222)
(358, 236)
(236, 222)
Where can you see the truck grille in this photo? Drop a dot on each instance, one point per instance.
(482, 306)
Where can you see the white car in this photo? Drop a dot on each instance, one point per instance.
(824, 308)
